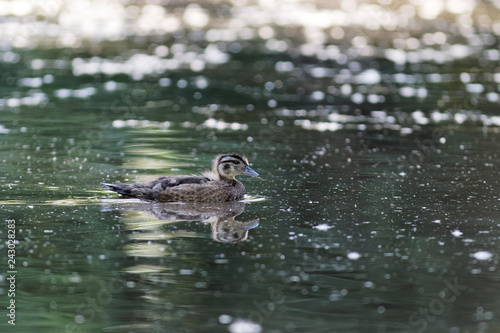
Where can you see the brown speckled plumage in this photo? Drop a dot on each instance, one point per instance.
(214, 186)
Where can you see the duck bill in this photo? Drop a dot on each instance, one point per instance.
(249, 172)
(251, 224)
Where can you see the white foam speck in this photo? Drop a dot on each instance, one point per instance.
(353, 255)
(245, 326)
(457, 233)
(483, 255)
(225, 319)
(322, 227)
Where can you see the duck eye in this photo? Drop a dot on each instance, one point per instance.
(226, 166)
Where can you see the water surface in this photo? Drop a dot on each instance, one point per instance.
(374, 127)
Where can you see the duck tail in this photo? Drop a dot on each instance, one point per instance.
(118, 188)
(136, 191)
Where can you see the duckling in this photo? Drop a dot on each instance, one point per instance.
(213, 186)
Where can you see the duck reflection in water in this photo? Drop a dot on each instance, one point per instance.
(219, 215)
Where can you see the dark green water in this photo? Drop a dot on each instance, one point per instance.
(378, 149)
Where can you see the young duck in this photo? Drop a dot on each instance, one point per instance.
(213, 186)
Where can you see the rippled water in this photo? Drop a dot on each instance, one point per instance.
(374, 126)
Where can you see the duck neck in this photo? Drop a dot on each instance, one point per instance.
(228, 180)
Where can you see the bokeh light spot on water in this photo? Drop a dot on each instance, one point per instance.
(196, 16)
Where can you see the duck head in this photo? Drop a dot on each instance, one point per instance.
(229, 166)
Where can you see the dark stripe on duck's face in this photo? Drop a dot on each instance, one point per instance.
(232, 161)
(233, 158)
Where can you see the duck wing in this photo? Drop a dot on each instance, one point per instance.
(172, 181)
(151, 190)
